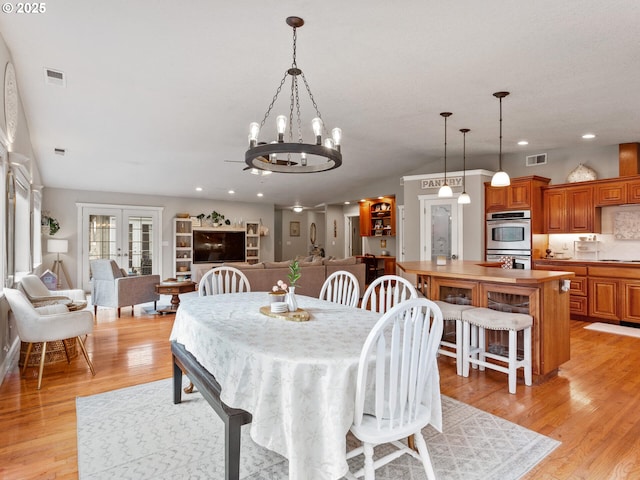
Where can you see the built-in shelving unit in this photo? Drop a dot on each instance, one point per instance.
(182, 251)
(183, 245)
(377, 217)
(253, 242)
(586, 249)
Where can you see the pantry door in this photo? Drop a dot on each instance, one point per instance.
(130, 235)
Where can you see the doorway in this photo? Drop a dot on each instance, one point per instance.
(353, 241)
(440, 227)
(130, 235)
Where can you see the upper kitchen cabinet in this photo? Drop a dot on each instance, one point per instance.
(378, 217)
(570, 209)
(524, 193)
(618, 191)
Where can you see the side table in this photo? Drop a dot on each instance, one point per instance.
(174, 289)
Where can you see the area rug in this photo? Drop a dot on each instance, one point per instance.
(138, 433)
(616, 329)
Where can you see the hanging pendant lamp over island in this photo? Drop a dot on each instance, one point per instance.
(293, 155)
(445, 190)
(500, 178)
(464, 198)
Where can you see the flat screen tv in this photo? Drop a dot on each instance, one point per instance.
(220, 246)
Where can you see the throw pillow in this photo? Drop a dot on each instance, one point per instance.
(284, 264)
(341, 261)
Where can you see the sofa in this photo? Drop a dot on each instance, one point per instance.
(263, 276)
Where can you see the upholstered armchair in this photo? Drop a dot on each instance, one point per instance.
(39, 295)
(110, 287)
(48, 324)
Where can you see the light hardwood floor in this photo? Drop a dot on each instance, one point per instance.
(592, 406)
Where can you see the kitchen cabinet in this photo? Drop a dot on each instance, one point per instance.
(377, 217)
(611, 193)
(522, 194)
(578, 300)
(603, 301)
(601, 290)
(570, 209)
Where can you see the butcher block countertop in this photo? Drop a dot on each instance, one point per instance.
(476, 270)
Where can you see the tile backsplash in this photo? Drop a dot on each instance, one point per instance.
(609, 247)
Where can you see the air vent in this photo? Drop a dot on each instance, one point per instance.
(539, 159)
(54, 77)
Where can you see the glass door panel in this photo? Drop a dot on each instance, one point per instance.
(441, 228)
(128, 236)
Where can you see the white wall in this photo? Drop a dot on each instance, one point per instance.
(61, 203)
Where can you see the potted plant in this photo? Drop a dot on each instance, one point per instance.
(51, 223)
(216, 218)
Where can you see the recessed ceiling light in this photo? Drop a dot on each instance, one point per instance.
(231, 192)
(523, 142)
(347, 203)
(198, 189)
(588, 136)
(261, 194)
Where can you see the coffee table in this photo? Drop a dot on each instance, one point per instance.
(174, 289)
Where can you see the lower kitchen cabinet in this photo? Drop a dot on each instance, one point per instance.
(603, 301)
(601, 290)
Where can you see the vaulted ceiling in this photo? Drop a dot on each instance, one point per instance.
(159, 95)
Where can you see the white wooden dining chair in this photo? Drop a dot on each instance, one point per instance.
(223, 280)
(387, 291)
(341, 287)
(397, 361)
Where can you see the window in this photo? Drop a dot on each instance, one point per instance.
(37, 227)
(22, 227)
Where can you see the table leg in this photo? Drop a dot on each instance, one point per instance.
(175, 301)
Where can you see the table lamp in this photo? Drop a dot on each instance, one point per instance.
(58, 246)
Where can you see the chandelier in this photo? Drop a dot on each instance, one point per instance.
(293, 155)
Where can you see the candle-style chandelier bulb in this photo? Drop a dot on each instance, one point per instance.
(254, 130)
(317, 125)
(336, 133)
(281, 126)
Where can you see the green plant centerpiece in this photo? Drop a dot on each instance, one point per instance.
(294, 273)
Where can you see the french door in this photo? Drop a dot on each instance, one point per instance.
(440, 227)
(129, 235)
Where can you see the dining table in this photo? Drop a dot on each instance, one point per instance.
(297, 379)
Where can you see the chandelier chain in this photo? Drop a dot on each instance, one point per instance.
(313, 100)
(273, 100)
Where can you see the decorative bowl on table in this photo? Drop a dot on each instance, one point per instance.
(277, 296)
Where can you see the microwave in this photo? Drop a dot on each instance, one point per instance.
(509, 230)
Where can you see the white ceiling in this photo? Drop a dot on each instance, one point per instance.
(160, 94)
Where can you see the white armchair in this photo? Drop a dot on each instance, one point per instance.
(39, 295)
(111, 288)
(47, 324)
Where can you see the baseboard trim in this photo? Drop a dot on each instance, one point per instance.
(10, 359)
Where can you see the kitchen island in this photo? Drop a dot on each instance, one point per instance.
(536, 292)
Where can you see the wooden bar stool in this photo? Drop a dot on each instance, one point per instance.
(474, 324)
(452, 312)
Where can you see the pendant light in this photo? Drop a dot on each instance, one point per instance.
(445, 190)
(500, 178)
(464, 198)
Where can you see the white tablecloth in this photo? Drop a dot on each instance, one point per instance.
(297, 379)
